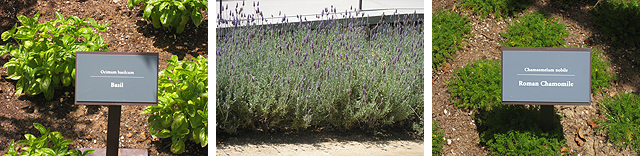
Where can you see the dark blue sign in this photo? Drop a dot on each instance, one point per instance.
(546, 76)
(111, 78)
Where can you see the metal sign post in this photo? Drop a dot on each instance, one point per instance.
(116, 79)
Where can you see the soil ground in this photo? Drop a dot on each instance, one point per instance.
(129, 32)
(457, 123)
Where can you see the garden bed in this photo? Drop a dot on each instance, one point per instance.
(87, 125)
(461, 130)
(315, 87)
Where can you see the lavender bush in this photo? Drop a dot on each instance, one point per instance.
(328, 74)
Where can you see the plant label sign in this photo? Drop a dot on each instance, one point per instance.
(546, 76)
(111, 78)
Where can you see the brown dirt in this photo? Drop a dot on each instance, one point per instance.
(87, 124)
(457, 123)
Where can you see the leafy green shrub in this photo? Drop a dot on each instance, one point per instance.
(535, 30)
(437, 139)
(499, 8)
(172, 13)
(477, 85)
(45, 59)
(514, 130)
(623, 118)
(294, 77)
(41, 146)
(449, 29)
(619, 21)
(182, 109)
(600, 77)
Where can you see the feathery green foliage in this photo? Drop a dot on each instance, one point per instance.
(623, 120)
(477, 85)
(449, 30)
(535, 30)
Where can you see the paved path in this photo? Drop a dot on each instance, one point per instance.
(343, 148)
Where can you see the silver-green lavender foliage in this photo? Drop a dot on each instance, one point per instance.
(337, 76)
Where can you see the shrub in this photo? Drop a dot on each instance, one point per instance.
(437, 139)
(498, 8)
(182, 109)
(600, 76)
(514, 130)
(619, 21)
(294, 77)
(172, 13)
(45, 59)
(535, 30)
(623, 118)
(477, 85)
(449, 29)
(41, 146)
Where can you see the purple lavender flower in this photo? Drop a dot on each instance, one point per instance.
(383, 69)
(327, 71)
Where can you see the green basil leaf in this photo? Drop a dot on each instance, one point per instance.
(179, 5)
(66, 81)
(196, 17)
(196, 121)
(181, 132)
(56, 138)
(65, 143)
(177, 147)
(46, 151)
(48, 94)
(24, 20)
(154, 126)
(19, 87)
(147, 11)
(12, 151)
(40, 128)
(86, 30)
(156, 20)
(7, 34)
(163, 6)
(165, 133)
(178, 121)
(204, 138)
(87, 152)
(165, 121)
(59, 16)
(24, 142)
(166, 17)
(29, 137)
